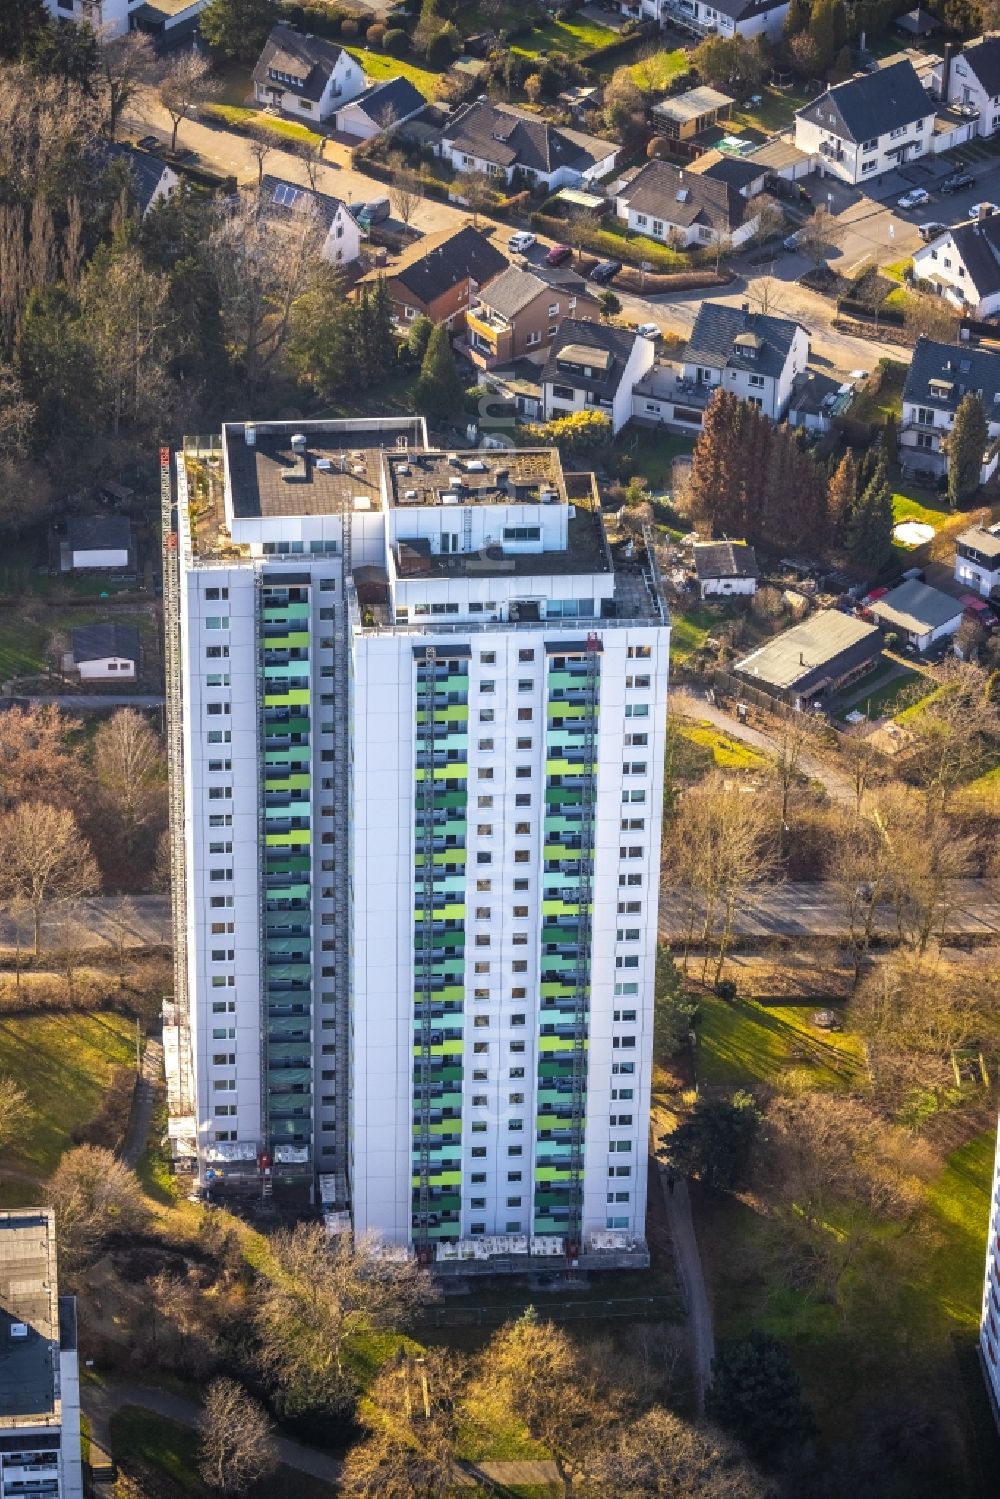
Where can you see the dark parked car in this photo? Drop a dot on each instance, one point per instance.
(149, 143)
(558, 254)
(957, 182)
(605, 271)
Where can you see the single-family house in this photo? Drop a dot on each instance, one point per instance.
(439, 275)
(751, 354)
(683, 116)
(593, 367)
(963, 264)
(305, 75)
(680, 207)
(968, 79)
(281, 200)
(869, 125)
(922, 613)
(103, 541)
(380, 108)
(936, 381)
(725, 567)
(113, 18)
(816, 399)
(744, 175)
(500, 140)
(519, 312)
(824, 653)
(727, 18)
(106, 653)
(150, 178)
(977, 559)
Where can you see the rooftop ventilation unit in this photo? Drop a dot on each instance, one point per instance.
(19, 1329)
(298, 442)
(410, 495)
(250, 435)
(475, 466)
(402, 468)
(324, 465)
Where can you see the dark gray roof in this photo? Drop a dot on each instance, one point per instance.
(308, 59)
(916, 607)
(725, 559)
(734, 170)
(98, 642)
(513, 139)
(918, 22)
(806, 658)
(147, 171)
(984, 60)
(280, 199)
(744, 10)
(978, 243)
(467, 254)
(869, 106)
(29, 1299)
(390, 101)
(562, 278)
(512, 290)
(684, 198)
(941, 374)
(713, 340)
(99, 533)
(613, 344)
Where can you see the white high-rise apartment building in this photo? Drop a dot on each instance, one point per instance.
(39, 1365)
(417, 797)
(989, 1326)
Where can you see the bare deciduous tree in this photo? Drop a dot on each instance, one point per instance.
(477, 190)
(186, 85)
(325, 1291)
(95, 1195)
(126, 63)
(532, 1372)
(404, 191)
(237, 1447)
(310, 153)
(261, 267)
(412, 1451)
(955, 732)
(129, 764)
(819, 235)
(43, 858)
(15, 1110)
(260, 144)
(659, 1453)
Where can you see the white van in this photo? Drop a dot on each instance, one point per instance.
(518, 243)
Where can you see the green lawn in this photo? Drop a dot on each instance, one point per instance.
(924, 505)
(658, 71)
(888, 400)
(726, 753)
(572, 38)
(653, 452)
(64, 1063)
(902, 692)
(775, 112)
(745, 1042)
(239, 118)
(379, 65)
(959, 1208)
(25, 636)
(688, 632)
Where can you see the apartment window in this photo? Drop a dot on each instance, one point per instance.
(218, 902)
(223, 1059)
(219, 928)
(525, 684)
(515, 1150)
(225, 1111)
(523, 773)
(484, 857)
(220, 820)
(636, 710)
(223, 1006)
(485, 773)
(478, 1153)
(479, 1126)
(224, 1085)
(516, 1073)
(522, 533)
(521, 885)
(628, 934)
(480, 1047)
(636, 681)
(486, 744)
(487, 658)
(483, 913)
(484, 801)
(630, 879)
(481, 1022)
(517, 1020)
(522, 799)
(517, 1047)
(527, 654)
(633, 767)
(638, 740)
(216, 593)
(216, 652)
(482, 968)
(217, 622)
(520, 911)
(515, 1176)
(621, 1121)
(488, 686)
(633, 796)
(478, 1178)
(522, 856)
(477, 1202)
(639, 652)
(519, 966)
(484, 886)
(220, 793)
(525, 715)
(218, 736)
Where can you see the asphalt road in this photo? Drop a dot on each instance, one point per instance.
(818, 910)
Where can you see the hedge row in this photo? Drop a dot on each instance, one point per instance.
(610, 246)
(598, 56)
(237, 117)
(889, 315)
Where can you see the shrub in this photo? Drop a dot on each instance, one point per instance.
(443, 47)
(396, 43)
(349, 27)
(375, 35)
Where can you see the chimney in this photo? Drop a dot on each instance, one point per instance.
(745, 307)
(949, 53)
(802, 658)
(985, 210)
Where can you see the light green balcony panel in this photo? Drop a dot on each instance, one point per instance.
(292, 754)
(442, 1127)
(559, 908)
(289, 892)
(290, 839)
(451, 912)
(296, 697)
(279, 614)
(558, 1043)
(567, 710)
(285, 669)
(551, 1174)
(292, 640)
(443, 1049)
(295, 781)
(451, 713)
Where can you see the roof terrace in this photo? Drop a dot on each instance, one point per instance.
(500, 477)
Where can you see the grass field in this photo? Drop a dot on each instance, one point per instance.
(653, 453)
(379, 65)
(775, 112)
(658, 71)
(25, 635)
(572, 38)
(726, 753)
(64, 1063)
(747, 1042)
(239, 118)
(924, 505)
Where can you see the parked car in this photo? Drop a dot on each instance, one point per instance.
(978, 209)
(915, 198)
(518, 243)
(958, 182)
(558, 254)
(149, 143)
(648, 330)
(605, 271)
(791, 241)
(931, 231)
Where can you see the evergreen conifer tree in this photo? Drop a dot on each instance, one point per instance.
(439, 393)
(965, 449)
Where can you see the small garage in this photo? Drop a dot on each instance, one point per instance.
(919, 612)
